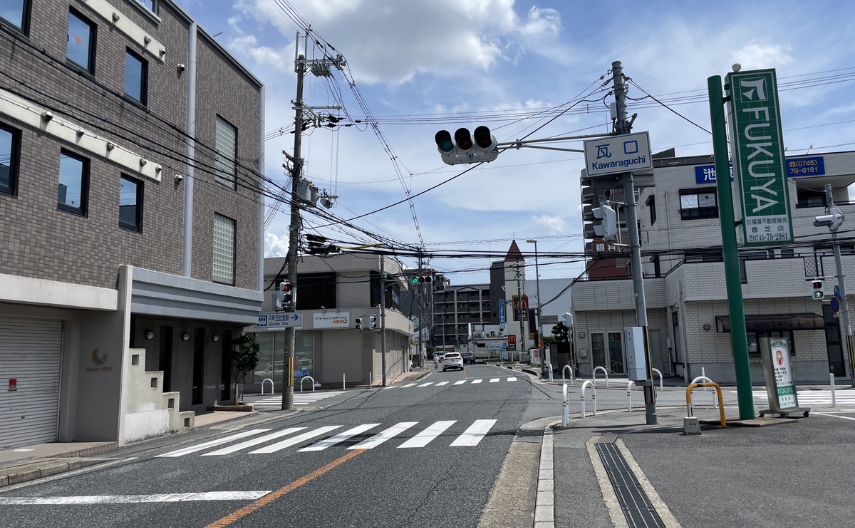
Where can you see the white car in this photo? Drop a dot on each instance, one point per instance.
(452, 360)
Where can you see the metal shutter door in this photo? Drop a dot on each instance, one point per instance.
(30, 351)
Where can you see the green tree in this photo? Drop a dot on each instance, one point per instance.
(244, 358)
(561, 333)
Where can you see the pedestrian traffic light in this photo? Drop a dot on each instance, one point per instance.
(372, 322)
(463, 149)
(359, 323)
(288, 294)
(421, 279)
(605, 222)
(818, 294)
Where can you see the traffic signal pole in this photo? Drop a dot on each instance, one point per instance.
(294, 233)
(847, 326)
(730, 252)
(383, 317)
(622, 126)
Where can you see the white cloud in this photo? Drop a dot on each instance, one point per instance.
(275, 245)
(753, 56)
(554, 224)
(541, 22)
(281, 59)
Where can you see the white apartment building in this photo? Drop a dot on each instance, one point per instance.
(689, 328)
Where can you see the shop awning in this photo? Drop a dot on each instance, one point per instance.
(774, 322)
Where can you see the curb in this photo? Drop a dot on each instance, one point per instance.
(544, 506)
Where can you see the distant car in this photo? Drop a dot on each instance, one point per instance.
(468, 357)
(452, 360)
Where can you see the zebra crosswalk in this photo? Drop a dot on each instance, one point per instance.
(470, 381)
(266, 441)
(274, 403)
(808, 397)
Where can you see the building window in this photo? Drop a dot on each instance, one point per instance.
(651, 203)
(73, 183)
(15, 13)
(150, 5)
(317, 290)
(224, 250)
(130, 203)
(806, 198)
(136, 77)
(10, 147)
(81, 41)
(226, 144)
(698, 203)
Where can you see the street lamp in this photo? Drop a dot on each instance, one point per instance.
(540, 345)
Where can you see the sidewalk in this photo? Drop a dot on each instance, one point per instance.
(33, 462)
(792, 474)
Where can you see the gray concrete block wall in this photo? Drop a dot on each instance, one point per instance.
(42, 241)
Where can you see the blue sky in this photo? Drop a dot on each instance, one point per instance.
(436, 58)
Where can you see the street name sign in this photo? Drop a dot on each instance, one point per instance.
(778, 372)
(758, 157)
(618, 154)
(280, 320)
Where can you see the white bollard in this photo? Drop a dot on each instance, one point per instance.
(370, 379)
(585, 385)
(661, 385)
(629, 396)
(565, 404)
(706, 390)
(343, 383)
(605, 374)
(572, 376)
(833, 391)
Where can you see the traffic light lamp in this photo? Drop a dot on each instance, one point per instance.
(372, 322)
(287, 294)
(463, 149)
(421, 279)
(358, 321)
(605, 222)
(818, 294)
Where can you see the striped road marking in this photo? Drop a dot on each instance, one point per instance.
(512, 378)
(473, 435)
(441, 383)
(408, 385)
(253, 442)
(385, 435)
(425, 437)
(477, 380)
(294, 440)
(134, 499)
(494, 380)
(461, 382)
(341, 437)
(426, 384)
(212, 443)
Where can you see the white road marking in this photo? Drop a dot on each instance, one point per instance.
(134, 499)
(479, 380)
(512, 378)
(835, 416)
(383, 436)
(295, 440)
(408, 385)
(255, 441)
(339, 438)
(473, 435)
(441, 383)
(461, 382)
(426, 384)
(212, 443)
(425, 437)
(494, 380)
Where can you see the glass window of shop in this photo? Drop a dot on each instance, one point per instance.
(271, 361)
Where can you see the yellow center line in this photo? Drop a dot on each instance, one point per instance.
(233, 517)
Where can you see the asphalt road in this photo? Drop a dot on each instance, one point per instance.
(435, 472)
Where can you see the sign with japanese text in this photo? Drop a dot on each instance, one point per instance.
(280, 320)
(617, 154)
(785, 389)
(758, 157)
(331, 320)
(796, 168)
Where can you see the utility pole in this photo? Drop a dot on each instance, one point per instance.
(383, 317)
(519, 316)
(420, 296)
(831, 209)
(294, 231)
(623, 126)
(546, 371)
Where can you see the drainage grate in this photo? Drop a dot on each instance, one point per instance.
(637, 508)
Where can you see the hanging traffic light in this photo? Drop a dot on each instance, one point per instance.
(372, 322)
(818, 294)
(421, 279)
(462, 149)
(358, 321)
(607, 227)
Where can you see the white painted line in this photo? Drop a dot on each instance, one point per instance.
(473, 435)
(426, 384)
(295, 440)
(339, 438)
(835, 416)
(253, 442)
(212, 443)
(479, 380)
(134, 499)
(461, 382)
(408, 385)
(441, 383)
(512, 378)
(494, 380)
(383, 436)
(425, 437)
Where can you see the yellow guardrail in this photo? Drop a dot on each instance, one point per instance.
(717, 388)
